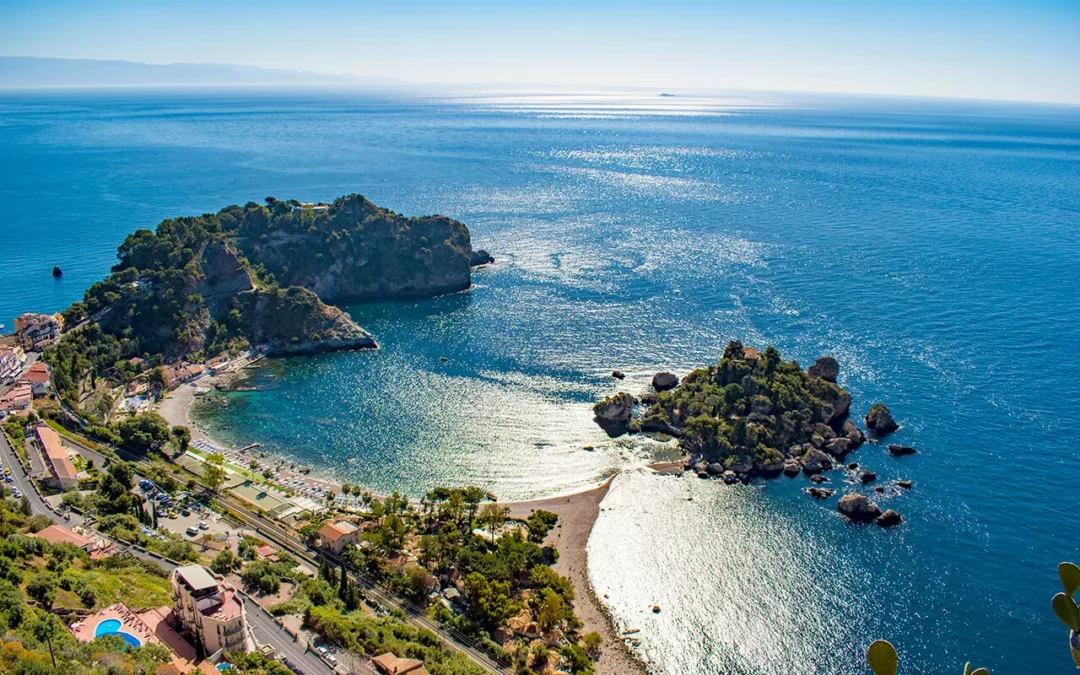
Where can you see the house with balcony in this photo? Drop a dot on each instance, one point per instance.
(37, 331)
(12, 360)
(210, 611)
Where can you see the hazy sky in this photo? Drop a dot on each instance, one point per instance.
(1021, 50)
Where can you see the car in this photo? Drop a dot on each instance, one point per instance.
(203, 525)
(192, 531)
(185, 513)
(9, 479)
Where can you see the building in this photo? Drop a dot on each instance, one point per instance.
(210, 610)
(17, 400)
(395, 665)
(334, 537)
(37, 376)
(56, 457)
(55, 534)
(37, 331)
(218, 363)
(12, 359)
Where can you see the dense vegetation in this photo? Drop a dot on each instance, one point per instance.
(503, 573)
(749, 411)
(201, 285)
(38, 578)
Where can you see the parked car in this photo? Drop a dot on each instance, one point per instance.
(192, 531)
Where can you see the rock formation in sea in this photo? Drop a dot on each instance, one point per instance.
(752, 413)
(880, 420)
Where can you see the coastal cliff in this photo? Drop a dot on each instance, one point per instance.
(255, 275)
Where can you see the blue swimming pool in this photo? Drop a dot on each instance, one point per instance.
(112, 627)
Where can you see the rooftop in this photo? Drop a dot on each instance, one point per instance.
(395, 665)
(334, 531)
(54, 451)
(196, 577)
(55, 534)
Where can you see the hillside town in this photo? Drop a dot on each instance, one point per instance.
(265, 563)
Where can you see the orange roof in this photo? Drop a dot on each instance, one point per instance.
(394, 665)
(334, 531)
(751, 354)
(36, 373)
(54, 451)
(55, 534)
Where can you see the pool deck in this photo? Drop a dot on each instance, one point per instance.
(148, 626)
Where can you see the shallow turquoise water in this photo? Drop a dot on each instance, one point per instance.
(931, 247)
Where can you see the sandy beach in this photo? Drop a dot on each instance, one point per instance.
(577, 513)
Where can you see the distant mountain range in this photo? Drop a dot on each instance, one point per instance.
(26, 71)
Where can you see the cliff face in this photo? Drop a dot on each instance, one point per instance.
(355, 250)
(295, 321)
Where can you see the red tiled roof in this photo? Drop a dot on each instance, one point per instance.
(55, 534)
(36, 373)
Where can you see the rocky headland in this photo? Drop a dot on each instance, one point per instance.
(257, 275)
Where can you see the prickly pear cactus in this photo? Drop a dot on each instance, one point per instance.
(1065, 606)
(882, 658)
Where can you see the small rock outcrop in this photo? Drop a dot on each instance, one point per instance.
(664, 381)
(820, 493)
(618, 374)
(857, 507)
(480, 257)
(816, 461)
(868, 477)
(880, 420)
(889, 519)
(57, 272)
(906, 484)
(901, 450)
(792, 468)
(613, 413)
(853, 433)
(826, 367)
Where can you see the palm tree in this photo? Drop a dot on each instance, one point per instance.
(253, 464)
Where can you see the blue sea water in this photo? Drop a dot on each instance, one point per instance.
(931, 246)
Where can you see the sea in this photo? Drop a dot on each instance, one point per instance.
(931, 246)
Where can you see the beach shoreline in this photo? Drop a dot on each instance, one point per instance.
(577, 513)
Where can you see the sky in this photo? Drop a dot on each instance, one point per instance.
(1025, 50)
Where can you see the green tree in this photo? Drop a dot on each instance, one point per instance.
(225, 562)
(182, 437)
(492, 517)
(144, 432)
(42, 588)
(213, 472)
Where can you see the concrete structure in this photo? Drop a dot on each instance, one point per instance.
(37, 331)
(56, 457)
(395, 665)
(334, 537)
(210, 610)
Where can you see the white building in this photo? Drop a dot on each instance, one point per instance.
(12, 360)
(211, 610)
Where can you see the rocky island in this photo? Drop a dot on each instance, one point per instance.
(255, 275)
(757, 414)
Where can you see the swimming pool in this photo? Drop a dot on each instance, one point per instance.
(112, 627)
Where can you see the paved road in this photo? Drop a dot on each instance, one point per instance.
(265, 629)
